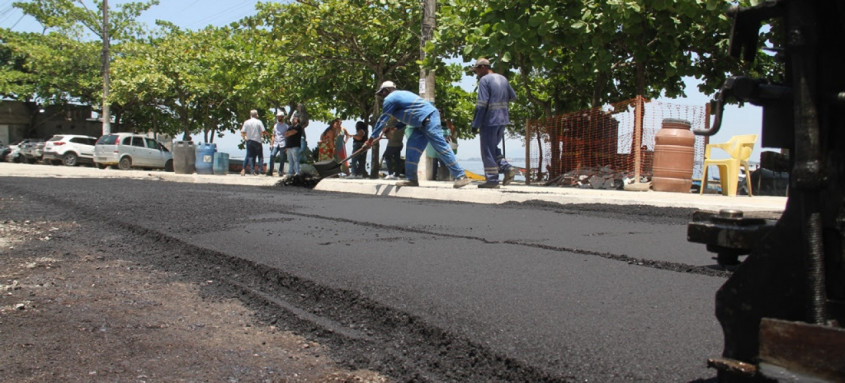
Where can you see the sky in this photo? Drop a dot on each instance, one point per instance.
(197, 14)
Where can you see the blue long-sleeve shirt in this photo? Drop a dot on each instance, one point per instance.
(494, 94)
(406, 108)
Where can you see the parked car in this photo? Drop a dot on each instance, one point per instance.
(16, 152)
(32, 150)
(128, 150)
(4, 150)
(12, 153)
(69, 149)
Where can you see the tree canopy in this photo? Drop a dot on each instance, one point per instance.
(330, 55)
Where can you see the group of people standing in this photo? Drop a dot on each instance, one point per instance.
(401, 109)
(286, 141)
(333, 146)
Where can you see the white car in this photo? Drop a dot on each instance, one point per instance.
(69, 149)
(131, 150)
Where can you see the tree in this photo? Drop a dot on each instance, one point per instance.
(76, 20)
(572, 54)
(50, 69)
(193, 81)
(62, 61)
(339, 51)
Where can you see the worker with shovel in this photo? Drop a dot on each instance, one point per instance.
(409, 109)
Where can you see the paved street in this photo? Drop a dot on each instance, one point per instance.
(466, 292)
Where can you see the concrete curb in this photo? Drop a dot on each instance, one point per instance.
(443, 191)
(433, 190)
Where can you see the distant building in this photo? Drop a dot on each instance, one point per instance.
(19, 120)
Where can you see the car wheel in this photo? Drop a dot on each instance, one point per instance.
(70, 159)
(125, 163)
(168, 166)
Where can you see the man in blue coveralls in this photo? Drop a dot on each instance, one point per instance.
(491, 117)
(409, 109)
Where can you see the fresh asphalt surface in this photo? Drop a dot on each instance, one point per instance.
(582, 293)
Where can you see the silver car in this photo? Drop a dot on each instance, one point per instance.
(131, 150)
(31, 150)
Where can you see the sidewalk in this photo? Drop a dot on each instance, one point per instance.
(434, 190)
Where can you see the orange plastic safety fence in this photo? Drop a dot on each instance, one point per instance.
(603, 139)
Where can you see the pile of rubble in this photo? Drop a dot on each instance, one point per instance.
(304, 180)
(603, 177)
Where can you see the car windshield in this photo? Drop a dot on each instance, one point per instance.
(56, 138)
(107, 140)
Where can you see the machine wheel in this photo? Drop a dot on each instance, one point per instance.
(70, 159)
(727, 259)
(125, 163)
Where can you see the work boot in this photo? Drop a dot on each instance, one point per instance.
(461, 182)
(509, 174)
(488, 185)
(269, 174)
(408, 183)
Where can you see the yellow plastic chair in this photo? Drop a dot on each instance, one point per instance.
(739, 148)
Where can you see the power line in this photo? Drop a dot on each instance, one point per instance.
(227, 13)
(16, 22)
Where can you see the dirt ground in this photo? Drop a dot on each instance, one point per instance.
(77, 306)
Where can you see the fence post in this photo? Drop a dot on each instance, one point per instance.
(638, 137)
(706, 127)
(527, 153)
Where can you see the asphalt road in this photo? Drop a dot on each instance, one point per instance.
(440, 291)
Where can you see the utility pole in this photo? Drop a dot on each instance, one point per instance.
(427, 76)
(106, 113)
(426, 164)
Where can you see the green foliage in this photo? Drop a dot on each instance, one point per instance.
(337, 52)
(573, 54)
(330, 55)
(204, 81)
(454, 102)
(49, 69)
(77, 21)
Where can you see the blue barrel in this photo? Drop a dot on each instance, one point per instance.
(205, 158)
(221, 163)
(184, 157)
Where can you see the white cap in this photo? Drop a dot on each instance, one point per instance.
(280, 113)
(386, 84)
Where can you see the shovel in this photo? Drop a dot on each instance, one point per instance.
(331, 167)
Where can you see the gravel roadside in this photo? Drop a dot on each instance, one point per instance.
(84, 302)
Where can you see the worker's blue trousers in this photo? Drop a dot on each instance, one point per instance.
(491, 156)
(430, 133)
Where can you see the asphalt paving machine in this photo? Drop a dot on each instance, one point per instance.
(783, 308)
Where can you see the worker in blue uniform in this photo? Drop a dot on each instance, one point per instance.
(408, 109)
(490, 118)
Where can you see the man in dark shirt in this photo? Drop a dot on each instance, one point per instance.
(359, 163)
(293, 146)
